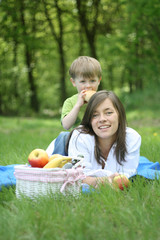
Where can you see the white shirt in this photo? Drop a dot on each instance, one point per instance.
(84, 144)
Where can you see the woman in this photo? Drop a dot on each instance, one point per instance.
(109, 147)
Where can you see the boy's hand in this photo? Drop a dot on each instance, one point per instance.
(80, 100)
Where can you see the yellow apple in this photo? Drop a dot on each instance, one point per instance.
(88, 95)
(121, 182)
(38, 158)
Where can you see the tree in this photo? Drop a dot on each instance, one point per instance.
(88, 15)
(57, 30)
(29, 51)
(9, 35)
(140, 38)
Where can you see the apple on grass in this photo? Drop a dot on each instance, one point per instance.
(38, 158)
(121, 182)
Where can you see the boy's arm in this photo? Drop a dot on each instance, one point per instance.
(70, 118)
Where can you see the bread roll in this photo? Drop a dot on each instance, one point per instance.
(88, 95)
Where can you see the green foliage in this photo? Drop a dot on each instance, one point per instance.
(142, 101)
(126, 42)
(139, 35)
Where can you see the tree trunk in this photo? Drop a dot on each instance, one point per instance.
(111, 78)
(58, 37)
(33, 90)
(34, 103)
(62, 67)
(15, 76)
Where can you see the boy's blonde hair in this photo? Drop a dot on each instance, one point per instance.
(86, 67)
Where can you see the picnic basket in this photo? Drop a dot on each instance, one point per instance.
(34, 182)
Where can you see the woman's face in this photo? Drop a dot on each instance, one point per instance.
(105, 120)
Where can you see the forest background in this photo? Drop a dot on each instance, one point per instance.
(39, 40)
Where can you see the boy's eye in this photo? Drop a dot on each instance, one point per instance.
(93, 80)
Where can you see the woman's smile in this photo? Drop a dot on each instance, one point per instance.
(104, 127)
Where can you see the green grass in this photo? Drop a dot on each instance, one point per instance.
(106, 214)
(132, 214)
(19, 136)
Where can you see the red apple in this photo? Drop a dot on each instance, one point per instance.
(121, 182)
(38, 158)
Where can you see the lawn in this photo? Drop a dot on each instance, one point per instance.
(104, 214)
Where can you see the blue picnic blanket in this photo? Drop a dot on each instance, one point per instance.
(146, 169)
(7, 177)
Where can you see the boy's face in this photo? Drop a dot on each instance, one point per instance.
(82, 83)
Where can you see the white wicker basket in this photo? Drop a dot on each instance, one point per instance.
(35, 182)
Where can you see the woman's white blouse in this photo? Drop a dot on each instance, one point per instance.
(84, 144)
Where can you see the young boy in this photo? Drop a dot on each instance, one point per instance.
(85, 75)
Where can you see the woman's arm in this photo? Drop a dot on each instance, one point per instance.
(96, 181)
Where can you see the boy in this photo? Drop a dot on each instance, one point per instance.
(85, 75)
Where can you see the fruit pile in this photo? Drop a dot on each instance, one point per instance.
(39, 158)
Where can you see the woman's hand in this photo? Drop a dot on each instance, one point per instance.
(96, 181)
(90, 181)
(104, 180)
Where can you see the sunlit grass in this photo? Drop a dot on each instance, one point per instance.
(19, 136)
(115, 214)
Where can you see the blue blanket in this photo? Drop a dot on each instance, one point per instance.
(7, 177)
(148, 169)
(145, 169)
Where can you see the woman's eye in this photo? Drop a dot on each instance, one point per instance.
(109, 113)
(95, 115)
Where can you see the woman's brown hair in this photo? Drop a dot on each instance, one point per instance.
(86, 127)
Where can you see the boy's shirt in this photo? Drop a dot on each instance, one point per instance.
(67, 107)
